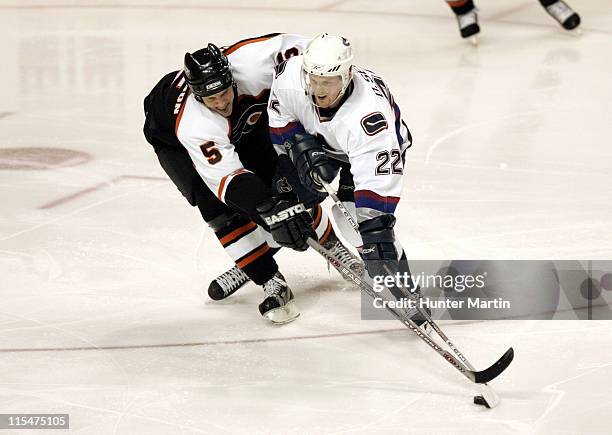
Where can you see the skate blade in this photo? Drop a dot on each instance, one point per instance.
(282, 315)
(474, 41)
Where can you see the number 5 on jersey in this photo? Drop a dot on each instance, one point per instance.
(211, 153)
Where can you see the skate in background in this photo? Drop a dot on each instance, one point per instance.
(467, 16)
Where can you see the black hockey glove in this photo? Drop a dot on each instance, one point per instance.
(307, 154)
(289, 221)
(287, 180)
(380, 256)
(378, 250)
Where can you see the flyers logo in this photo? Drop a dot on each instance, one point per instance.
(374, 123)
(253, 118)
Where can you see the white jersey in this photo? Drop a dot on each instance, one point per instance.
(209, 137)
(366, 131)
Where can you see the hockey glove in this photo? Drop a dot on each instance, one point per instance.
(381, 258)
(378, 250)
(287, 180)
(307, 154)
(289, 221)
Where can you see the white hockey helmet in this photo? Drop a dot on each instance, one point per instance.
(328, 55)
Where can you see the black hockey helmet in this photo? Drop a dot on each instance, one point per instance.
(207, 71)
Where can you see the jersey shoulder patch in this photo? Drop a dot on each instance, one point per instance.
(374, 123)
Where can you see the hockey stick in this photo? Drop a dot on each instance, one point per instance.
(499, 366)
(478, 377)
(339, 211)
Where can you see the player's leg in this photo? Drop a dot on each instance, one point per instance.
(381, 250)
(178, 166)
(561, 12)
(243, 240)
(246, 243)
(384, 256)
(248, 249)
(467, 17)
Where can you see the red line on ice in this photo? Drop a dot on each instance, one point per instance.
(203, 343)
(87, 190)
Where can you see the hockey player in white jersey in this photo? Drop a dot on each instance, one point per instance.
(208, 125)
(329, 115)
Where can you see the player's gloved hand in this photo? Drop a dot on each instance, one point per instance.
(289, 221)
(309, 158)
(287, 180)
(378, 251)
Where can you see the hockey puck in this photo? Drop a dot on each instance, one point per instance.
(479, 400)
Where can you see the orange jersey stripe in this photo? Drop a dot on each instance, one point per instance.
(224, 180)
(236, 233)
(327, 233)
(317, 219)
(456, 3)
(236, 46)
(254, 256)
(221, 186)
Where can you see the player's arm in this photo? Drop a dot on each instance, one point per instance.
(289, 45)
(291, 141)
(283, 123)
(218, 164)
(220, 168)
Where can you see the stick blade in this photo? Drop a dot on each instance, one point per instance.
(496, 369)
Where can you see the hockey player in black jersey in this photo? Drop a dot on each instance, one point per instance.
(208, 126)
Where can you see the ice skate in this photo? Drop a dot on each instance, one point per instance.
(227, 283)
(278, 305)
(564, 15)
(337, 249)
(468, 26)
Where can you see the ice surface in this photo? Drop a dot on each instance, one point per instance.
(103, 267)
